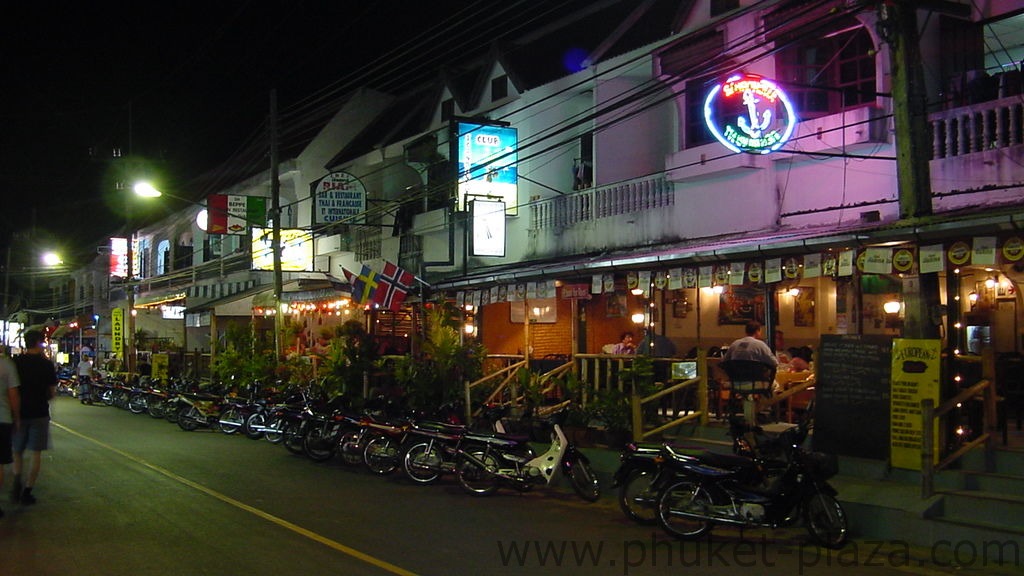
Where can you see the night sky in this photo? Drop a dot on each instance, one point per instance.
(182, 85)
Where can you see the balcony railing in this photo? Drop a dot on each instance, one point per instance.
(977, 127)
(622, 198)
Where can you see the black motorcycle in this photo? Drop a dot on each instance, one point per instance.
(641, 475)
(709, 489)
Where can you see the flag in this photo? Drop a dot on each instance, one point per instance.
(364, 285)
(233, 214)
(393, 285)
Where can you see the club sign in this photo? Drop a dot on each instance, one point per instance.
(748, 113)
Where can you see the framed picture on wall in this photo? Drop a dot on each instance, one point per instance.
(614, 305)
(803, 307)
(1005, 290)
(740, 304)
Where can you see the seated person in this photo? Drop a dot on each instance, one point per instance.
(625, 344)
(751, 347)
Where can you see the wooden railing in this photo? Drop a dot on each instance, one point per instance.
(929, 414)
(700, 411)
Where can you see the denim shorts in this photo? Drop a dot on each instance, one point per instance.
(34, 435)
(6, 456)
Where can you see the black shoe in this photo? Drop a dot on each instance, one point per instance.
(27, 497)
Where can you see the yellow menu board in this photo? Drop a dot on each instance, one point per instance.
(915, 376)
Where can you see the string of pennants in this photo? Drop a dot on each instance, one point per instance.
(977, 251)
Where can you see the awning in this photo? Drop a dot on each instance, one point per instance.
(738, 247)
(158, 299)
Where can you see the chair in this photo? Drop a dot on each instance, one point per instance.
(749, 376)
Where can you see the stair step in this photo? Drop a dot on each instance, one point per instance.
(1005, 461)
(976, 506)
(994, 482)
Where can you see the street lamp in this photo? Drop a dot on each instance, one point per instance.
(145, 190)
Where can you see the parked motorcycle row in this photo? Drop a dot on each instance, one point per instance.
(424, 447)
(768, 482)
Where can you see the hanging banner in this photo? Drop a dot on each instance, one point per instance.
(632, 280)
(773, 270)
(903, 260)
(643, 280)
(755, 272)
(737, 271)
(575, 292)
(689, 277)
(931, 259)
(915, 377)
(160, 366)
(846, 263)
(959, 253)
(596, 284)
(117, 332)
(983, 252)
(495, 294)
(812, 265)
(675, 279)
(609, 283)
(660, 280)
(546, 289)
(1013, 249)
(878, 261)
(705, 277)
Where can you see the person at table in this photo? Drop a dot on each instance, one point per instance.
(625, 344)
(752, 347)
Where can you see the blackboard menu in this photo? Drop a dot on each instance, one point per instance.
(851, 413)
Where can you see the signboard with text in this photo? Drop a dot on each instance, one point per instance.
(117, 331)
(487, 157)
(747, 113)
(339, 196)
(915, 376)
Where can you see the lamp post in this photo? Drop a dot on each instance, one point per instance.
(145, 190)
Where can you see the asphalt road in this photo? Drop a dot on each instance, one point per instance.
(122, 494)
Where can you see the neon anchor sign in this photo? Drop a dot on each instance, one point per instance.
(747, 113)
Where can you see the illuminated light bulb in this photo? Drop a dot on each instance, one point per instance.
(958, 325)
(638, 318)
(892, 307)
(794, 292)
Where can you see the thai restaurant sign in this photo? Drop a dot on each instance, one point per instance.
(339, 196)
(915, 377)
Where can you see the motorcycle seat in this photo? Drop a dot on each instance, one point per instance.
(727, 461)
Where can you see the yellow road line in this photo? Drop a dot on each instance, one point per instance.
(250, 509)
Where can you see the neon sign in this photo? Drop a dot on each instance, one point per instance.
(747, 113)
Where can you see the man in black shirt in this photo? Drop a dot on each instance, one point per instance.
(38, 378)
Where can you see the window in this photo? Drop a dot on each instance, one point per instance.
(499, 88)
(583, 167)
(697, 133)
(163, 257)
(447, 109)
(830, 73)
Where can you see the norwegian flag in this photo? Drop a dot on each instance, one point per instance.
(393, 284)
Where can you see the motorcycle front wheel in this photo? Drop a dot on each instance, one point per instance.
(316, 447)
(253, 427)
(137, 403)
(155, 407)
(274, 432)
(381, 455)
(477, 474)
(583, 480)
(230, 421)
(678, 506)
(422, 463)
(638, 498)
(188, 418)
(350, 448)
(825, 520)
(293, 437)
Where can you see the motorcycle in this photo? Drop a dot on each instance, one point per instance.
(709, 489)
(491, 460)
(199, 410)
(432, 445)
(640, 473)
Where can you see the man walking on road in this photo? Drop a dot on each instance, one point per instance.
(38, 378)
(10, 411)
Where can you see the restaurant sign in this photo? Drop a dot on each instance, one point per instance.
(748, 113)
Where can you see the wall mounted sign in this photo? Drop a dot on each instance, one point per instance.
(747, 113)
(338, 196)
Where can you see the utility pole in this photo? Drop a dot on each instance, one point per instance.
(275, 244)
(898, 23)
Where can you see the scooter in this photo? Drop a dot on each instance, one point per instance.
(489, 461)
(710, 489)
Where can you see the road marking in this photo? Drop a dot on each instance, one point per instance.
(384, 565)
